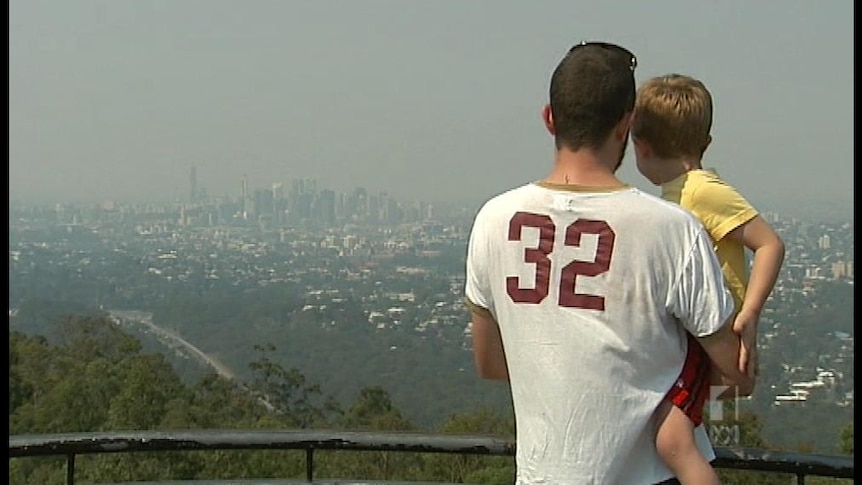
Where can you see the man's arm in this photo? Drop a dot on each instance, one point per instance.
(704, 305)
(488, 352)
(723, 348)
(768, 248)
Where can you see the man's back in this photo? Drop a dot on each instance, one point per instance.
(583, 286)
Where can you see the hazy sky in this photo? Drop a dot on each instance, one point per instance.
(431, 99)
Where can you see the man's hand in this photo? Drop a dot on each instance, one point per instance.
(745, 326)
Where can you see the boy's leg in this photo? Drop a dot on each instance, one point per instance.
(678, 415)
(677, 447)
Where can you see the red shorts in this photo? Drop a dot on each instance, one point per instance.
(691, 389)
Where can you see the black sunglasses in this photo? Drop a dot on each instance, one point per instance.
(613, 47)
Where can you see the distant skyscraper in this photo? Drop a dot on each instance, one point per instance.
(193, 185)
(326, 206)
(279, 203)
(246, 198)
(339, 206)
(262, 202)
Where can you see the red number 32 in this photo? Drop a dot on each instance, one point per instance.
(539, 256)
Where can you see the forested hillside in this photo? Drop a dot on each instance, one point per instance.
(93, 376)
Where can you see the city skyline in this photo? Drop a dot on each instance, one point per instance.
(426, 101)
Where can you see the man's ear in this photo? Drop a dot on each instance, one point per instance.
(622, 129)
(548, 119)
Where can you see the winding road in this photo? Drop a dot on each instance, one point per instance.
(144, 321)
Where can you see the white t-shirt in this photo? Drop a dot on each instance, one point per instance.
(593, 291)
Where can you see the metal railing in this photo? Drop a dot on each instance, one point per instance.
(73, 444)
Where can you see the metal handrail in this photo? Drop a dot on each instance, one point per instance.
(73, 444)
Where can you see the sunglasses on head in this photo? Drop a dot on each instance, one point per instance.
(607, 45)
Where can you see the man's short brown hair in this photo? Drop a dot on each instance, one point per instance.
(673, 113)
(591, 90)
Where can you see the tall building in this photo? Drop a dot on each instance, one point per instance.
(326, 207)
(279, 204)
(245, 197)
(263, 202)
(339, 206)
(193, 184)
(277, 190)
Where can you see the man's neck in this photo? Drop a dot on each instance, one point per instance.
(585, 167)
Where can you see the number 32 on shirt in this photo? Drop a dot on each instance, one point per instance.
(538, 256)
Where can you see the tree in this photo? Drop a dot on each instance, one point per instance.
(288, 392)
(474, 468)
(373, 411)
(845, 442)
(150, 384)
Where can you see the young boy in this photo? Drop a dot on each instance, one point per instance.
(670, 132)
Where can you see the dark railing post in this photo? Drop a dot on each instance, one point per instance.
(70, 469)
(309, 464)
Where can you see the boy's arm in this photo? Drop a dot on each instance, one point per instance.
(768, 248)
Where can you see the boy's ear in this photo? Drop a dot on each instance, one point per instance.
(642, 146)
(706, 145)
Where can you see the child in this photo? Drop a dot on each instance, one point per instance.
(670, 132)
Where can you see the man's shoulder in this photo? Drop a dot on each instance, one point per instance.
(669, 219)
(665, 208)
(506, 199)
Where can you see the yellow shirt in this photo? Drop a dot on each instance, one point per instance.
(721, 209)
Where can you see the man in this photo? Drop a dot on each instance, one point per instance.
(582, 288)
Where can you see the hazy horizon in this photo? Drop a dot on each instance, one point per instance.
(436, 101)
